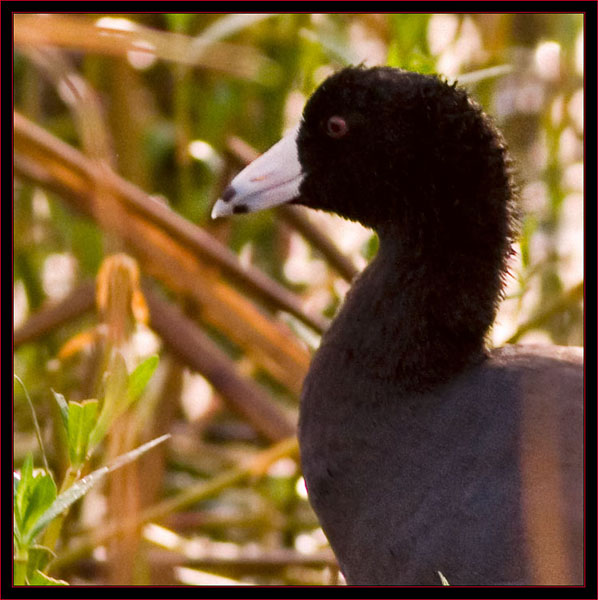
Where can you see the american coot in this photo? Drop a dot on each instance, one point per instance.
(422, 451)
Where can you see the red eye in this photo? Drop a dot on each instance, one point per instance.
(336, 127)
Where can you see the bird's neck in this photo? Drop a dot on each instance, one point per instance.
(415, 320)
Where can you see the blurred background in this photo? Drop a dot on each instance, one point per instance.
(127, 128)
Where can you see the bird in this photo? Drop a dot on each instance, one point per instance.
(427, 455)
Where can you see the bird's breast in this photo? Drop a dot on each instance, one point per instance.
(412, 480)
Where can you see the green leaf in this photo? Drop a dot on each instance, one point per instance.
(114, 400)
(64, 408)
(19, 500)
(81, 487)
(407, 33)
(43, 493)
(27, 470)
(17, 536)
(16, 479)
(35, 493)
(130, 456)
(38, 559)
(82, 417)
(370, 247)
(68, 497)
(39, 578)
(139, 378)
(121, 391)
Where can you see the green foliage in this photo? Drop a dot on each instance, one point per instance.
(39, 578)
(37, 503)
(408, 48)
(139, 377)
(115, 400)
(81, 420)
(82, 486)
(64, 500)
(370, 248)
(34, 494)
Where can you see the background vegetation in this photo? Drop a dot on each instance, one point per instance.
(127, 128)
